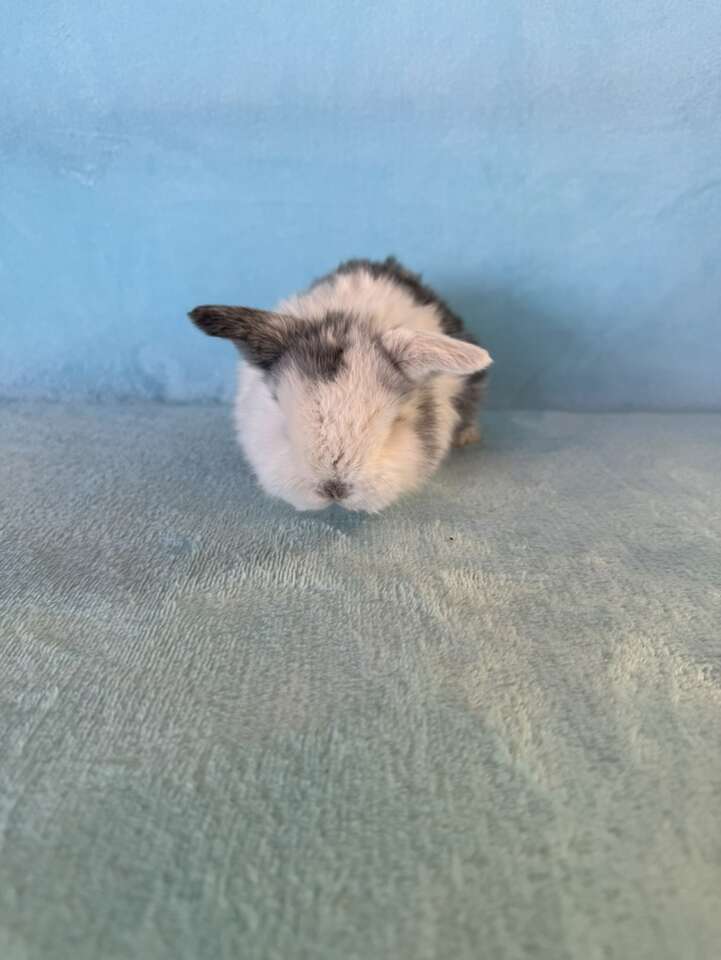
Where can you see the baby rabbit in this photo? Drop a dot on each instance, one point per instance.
(354, 390)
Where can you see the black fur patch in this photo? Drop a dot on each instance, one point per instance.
(261, 336)
(427, 424)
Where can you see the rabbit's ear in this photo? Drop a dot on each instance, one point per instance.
(420, 354)
(260, 335)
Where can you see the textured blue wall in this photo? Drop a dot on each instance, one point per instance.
(554, 167)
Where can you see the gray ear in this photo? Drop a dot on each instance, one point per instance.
(420, 354)
(260, 335)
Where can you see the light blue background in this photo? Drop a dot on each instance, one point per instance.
(553, 167)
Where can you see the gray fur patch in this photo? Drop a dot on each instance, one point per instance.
(468, 401)
(318, 349)
(427, 424)
(391, 374)
(422, 294)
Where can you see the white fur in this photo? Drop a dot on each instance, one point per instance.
(353, 426)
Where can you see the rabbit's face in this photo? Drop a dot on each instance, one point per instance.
(359, 417)
(356, 430)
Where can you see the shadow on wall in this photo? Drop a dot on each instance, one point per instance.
(533, 350)
(662, 353)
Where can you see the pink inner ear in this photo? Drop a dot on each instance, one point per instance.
(420, 353)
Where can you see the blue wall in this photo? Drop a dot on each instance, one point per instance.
(554, 167)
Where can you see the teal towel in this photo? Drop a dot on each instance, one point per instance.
(484, 724)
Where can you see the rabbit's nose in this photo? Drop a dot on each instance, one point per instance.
(334, 490)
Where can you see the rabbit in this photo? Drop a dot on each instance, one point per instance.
(354, 390)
